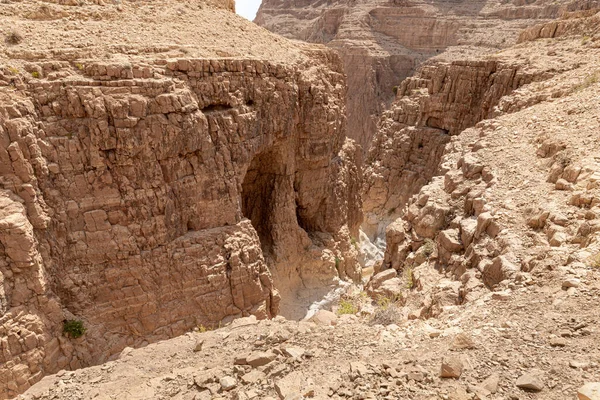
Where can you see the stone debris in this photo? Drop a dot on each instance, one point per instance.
(294, 352)
(259, 359)
(452, 367)
(531, 381)
(558, 342)
(253, 376)
(491, 383)
(227, 383)
(589, 391)
(571, 283)
(171, 184)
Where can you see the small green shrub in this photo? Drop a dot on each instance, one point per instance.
(395, 90)
(594, 261)
(428, 247)
(79, 66)
(13, 70)
(347, 306)
(386, 316)
(409, 278)
(35, 74)
(73, 328)
(337, 262)
(589, 80)
(384, 302)
(13, 38)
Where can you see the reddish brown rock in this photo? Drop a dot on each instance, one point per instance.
(173, 182)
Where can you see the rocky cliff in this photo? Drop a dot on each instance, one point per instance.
(160, 173)
(381, 42)
(154, 179)
(508, 180)
(439, 101)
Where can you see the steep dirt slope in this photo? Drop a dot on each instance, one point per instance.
(496, 341)
(384, 41)
(159, 171)
(513, 207)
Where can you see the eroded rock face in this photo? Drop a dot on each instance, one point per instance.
(147, 195)
(439, 101)
(382, 42)
(464, 222)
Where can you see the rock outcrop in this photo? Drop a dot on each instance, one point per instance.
(382, 42)
(496, 204)
(439, 101)
(152, 181)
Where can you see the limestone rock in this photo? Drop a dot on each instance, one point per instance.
(497, 271)
(324, 317)
(259, 359)
(293, 384)
(359, 368)
(383, 276)
(558, 342)
(450, 240)
(589, 391)
(428, 29)
(227, 383)
(150, 190)
(463, 341)
(253, 376)
(452, 367)
(294, 352)
(530, 381)
(491, 383)
(571, 282)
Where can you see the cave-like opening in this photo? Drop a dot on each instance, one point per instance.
(259, 196)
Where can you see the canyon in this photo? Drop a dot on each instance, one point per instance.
(403, 203)
(381, 42)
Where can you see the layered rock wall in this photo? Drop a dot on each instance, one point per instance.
(147, 196)
(382, 42)
(440, 100)
(572, 24)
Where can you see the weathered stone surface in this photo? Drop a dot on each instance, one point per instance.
(165, 187)
(259, 359)
(253, 376)
(452, 367)
(377, 55)
(531, 381)
(491, 383)
(589, 391)
(227, 383)
(385, 284)
(294, 352)
(498, 270)
(293, 386)
(563, 27)
(324, 317)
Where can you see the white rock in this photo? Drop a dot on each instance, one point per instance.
(227, 383)
(589, 391)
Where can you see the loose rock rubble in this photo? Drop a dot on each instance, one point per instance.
(491, 349)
